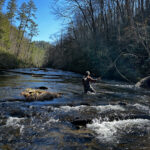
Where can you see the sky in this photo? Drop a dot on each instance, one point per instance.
(48, 24)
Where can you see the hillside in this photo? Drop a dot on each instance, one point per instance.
(16, 46)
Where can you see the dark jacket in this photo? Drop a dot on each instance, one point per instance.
(86, 83)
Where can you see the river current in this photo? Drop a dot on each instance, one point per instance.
(117, 117)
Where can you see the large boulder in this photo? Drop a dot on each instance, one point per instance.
(144, 83)
(36, 94)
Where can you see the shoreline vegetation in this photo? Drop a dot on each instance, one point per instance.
(109, 38)
(17, 50)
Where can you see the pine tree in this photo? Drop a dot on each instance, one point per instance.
(11, 10)
(29, 14)
(22, 19)
(1, 4)
(22, 16)
(33, 31)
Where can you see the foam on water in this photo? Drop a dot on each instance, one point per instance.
(69, 108)
(52, 120)
(112, 131)
(84, 107)
(108, 108)
(22, 129)
(142, 107)
(13, 121)
(125, 86)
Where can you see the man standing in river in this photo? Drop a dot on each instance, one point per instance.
(86, 80)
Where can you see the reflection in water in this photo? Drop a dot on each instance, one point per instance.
(117, 117)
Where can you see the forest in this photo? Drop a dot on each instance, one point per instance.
(111, 38)
(17, 29)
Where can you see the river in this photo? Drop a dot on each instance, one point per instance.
(117, 117)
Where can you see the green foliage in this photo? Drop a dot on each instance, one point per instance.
(38, 57)
(109, 38)
(1, 4)
(8, 60)
(33, 31)
(4, 31)
(11, 10)
(42, 45)
(15, 49)
(26, 18)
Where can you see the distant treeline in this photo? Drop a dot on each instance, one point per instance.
(111, 38)
(17, 28)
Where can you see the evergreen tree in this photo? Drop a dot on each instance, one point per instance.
(31, 9)
(22, 19)
(1, 4)
(30, 15)
(15, 46)
(33, 31)
(11, 10)
(28, 11)
(22, 16)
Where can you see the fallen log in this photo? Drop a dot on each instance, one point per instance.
(144, 83)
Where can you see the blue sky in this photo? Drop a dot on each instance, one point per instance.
(48, 24)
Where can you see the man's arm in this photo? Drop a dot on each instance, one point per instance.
(91, 79)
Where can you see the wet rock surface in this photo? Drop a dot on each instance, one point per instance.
(39, 95)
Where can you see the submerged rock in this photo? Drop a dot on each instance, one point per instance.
(81, 122)
(38, 69)
(43, 69)
(122, 103)
(37, 75)
(36, 94)
(144, 83)
(43, 88)
(18, 113)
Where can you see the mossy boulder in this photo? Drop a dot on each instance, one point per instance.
(40, 95)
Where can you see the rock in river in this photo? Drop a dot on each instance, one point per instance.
(81, 122)
(36, 94)
(42, 87)
(144, 83)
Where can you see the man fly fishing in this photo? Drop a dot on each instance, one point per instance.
(86, 80)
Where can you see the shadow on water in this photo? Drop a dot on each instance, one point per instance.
(117, 117)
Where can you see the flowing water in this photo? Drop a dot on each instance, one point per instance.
(117, 117)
